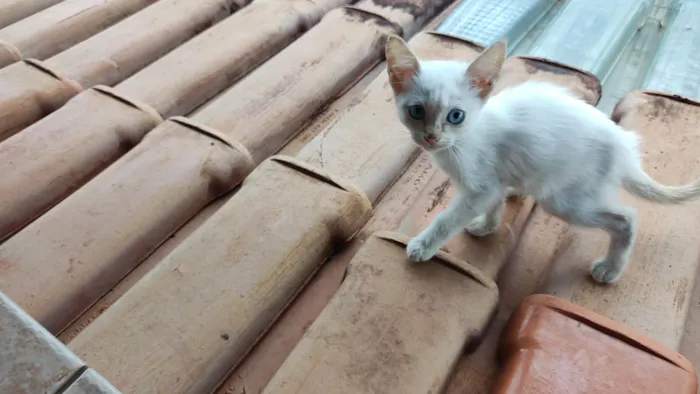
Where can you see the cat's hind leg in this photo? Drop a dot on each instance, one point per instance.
(618, 221)
(620, 224)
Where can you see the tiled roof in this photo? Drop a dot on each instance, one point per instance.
(214, 195)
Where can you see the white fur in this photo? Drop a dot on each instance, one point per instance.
(536, 139)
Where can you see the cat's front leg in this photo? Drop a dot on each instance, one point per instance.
(487, 223)
(511, 191)
(490, 220)
(420, 249)
(461, 211)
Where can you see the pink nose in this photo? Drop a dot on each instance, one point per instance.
(430, 139)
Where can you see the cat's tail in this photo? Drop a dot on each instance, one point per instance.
(640, 184)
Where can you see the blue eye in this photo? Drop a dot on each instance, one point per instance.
(456, 116)
(417, 112)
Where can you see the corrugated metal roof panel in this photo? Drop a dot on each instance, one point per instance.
(676, 65)
(487, 21)
(590, 34)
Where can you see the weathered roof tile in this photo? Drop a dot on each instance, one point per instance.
(100, 180)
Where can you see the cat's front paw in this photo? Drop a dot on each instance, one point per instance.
(604, 271)
(418, 249)
(481, 226)
(512, 192)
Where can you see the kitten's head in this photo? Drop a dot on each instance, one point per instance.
(438, 99)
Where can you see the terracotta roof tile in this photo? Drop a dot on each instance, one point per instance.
(12, 11)
(555, 346)
(57, 28)
(147, 223)
(106, 58)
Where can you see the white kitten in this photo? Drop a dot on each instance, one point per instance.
(534, 139)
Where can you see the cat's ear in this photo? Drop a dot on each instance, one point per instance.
(401, 64)
(483, 71)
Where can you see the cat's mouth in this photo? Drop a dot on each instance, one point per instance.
(427, 143)
(433, 146)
